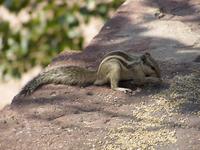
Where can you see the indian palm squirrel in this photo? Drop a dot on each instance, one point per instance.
(115, 66)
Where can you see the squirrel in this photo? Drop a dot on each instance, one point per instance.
(116, 66)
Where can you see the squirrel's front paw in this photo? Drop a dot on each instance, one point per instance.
(125, 90)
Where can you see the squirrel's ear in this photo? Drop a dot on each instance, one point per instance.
(143, 57)
(147, 54)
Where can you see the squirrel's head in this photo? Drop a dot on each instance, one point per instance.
(149, 61)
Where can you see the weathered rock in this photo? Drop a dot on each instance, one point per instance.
(165, 117)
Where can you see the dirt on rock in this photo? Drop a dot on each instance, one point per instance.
(162, 117)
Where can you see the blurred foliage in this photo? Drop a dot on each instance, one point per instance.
(41, 29)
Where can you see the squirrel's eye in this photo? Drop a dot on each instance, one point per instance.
(153, 68)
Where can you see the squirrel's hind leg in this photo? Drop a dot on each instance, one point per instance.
(100, 82)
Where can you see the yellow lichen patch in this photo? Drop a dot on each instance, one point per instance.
(133, 138)
(150, 130)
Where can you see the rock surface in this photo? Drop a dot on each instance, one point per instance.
(156, 117)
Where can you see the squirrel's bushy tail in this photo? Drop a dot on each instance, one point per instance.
(34, 84)
(71, 75)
